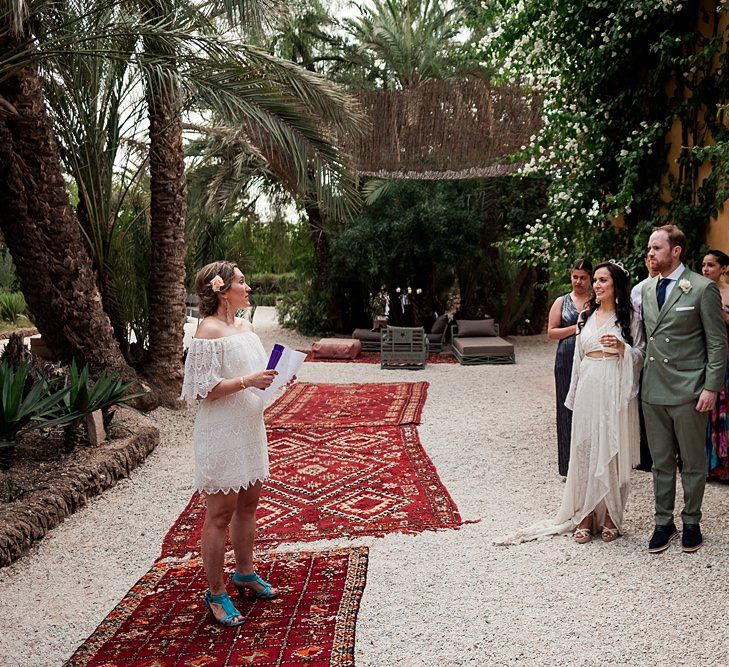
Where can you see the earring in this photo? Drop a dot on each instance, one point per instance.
(617, 301)
(228, 317)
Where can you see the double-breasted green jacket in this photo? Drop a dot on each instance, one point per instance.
(686, 341)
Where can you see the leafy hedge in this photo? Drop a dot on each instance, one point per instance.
(273, 283)
(614, 79)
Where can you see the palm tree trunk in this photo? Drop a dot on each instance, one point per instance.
(40, 229)
(168, 209)
(321, 245)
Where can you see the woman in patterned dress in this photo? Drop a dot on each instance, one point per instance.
(563, 327)
(717, 432)
(225, 367)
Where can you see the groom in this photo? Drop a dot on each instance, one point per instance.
(684, 369)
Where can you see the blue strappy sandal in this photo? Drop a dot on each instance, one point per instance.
(228, 607)
(242, 581)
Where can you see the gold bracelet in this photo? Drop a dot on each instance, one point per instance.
(242, 383)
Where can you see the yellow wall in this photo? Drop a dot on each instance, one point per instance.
(718, 233)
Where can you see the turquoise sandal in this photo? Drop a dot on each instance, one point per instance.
(243, 581)
(228, 607)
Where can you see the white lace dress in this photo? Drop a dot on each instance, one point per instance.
(605, 440)
(229, 438)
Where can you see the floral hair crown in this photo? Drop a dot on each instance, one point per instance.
(620, 266)
(216, 283)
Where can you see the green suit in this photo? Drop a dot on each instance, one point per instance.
(686, 344)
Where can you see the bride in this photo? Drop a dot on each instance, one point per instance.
(605, 439)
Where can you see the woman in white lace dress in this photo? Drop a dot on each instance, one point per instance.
(605, 438)
(224, 368)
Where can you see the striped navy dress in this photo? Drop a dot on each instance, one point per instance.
(562, 377)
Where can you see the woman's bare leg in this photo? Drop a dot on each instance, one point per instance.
(587, 521)
(243, 531)
(220, 510)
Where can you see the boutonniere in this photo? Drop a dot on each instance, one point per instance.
(685, 285)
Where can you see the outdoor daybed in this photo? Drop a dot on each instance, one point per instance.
(478, 342)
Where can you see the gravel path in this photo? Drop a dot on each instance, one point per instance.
(446, 598)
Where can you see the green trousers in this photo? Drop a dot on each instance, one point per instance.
(677, 429)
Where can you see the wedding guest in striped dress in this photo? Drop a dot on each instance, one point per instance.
(717, 432)
(563, 327)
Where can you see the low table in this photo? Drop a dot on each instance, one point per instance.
(336, 348)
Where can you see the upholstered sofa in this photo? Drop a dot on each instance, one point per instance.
(478, 342)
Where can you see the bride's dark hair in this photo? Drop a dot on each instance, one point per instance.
(623, 305)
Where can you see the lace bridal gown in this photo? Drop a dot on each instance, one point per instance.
(605, 432)
(229, 438)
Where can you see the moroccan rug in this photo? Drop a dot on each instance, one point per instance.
(310, 405)
(162, 620)
(374, 358)
(332, 483)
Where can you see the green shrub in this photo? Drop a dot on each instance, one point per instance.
(264, 299)
(7, 271)
(307, 312)
(12, 305)
(274, 283)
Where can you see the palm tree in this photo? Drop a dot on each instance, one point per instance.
(57, 278)
(414, 39)
(180, 55)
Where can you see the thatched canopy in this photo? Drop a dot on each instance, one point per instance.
(443, 130)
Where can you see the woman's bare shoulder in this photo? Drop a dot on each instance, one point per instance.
(210, 328)
(243, 324)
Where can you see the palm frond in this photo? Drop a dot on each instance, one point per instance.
(375, 188)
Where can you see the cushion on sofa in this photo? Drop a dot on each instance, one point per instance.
(483, 346)
(367, 334)
(471, 328)
(440, 325)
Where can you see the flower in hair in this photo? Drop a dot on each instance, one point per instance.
(216, 283)
(685, 286)
(620, 266)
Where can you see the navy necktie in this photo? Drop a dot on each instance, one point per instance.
(661, 291)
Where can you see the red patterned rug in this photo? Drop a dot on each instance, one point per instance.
(331, 483)
(374, 358)
(162, 622)
(310, 405)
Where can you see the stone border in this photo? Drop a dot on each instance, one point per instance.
(25, 333)
(31, 517)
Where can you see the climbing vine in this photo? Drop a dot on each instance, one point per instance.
(615, 78)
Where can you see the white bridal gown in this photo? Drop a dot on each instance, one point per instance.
(229, 438)
(605, 441)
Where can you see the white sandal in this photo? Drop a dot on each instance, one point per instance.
(582, 535)
(609, 534)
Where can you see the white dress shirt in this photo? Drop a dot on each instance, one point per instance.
(636, 297)
(673, 277)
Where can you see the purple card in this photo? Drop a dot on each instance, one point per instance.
(276, 353)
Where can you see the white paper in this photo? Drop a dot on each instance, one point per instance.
(287, 366)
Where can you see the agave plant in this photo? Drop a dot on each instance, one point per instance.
(12, 305)
(82, 400)
(25, 404)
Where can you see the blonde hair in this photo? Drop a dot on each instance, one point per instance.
(675, 237)
(210, 299)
